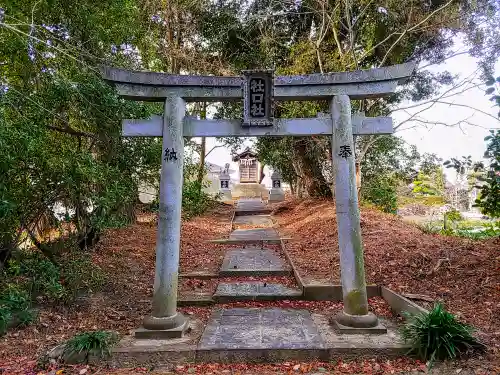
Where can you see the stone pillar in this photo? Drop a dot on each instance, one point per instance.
(224, 187)
(276, 194)
(165, 321)
(355, 314)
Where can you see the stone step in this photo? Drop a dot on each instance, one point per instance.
(253, 262)
(263, 221)
(256, 234)
(254, 291)
(252, 236)
(251, 207)
(245, 211)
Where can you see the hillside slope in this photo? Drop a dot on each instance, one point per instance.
(463, 273)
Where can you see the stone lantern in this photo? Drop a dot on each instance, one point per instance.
(276, 194)
(224, 188)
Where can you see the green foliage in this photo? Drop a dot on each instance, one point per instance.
(479, 231)
(388, 156)
(489, 185)
(461, 166)
(429, 184)
(489, 230)
(15, 307)
(438, 335)
(95, 343)
(428, 227)
(79, 275)
(381, 193)
(60, 126)
(453, 215)
(194, 200)
(427, 200)
(32, 278)
(64, 281)
(493, 89)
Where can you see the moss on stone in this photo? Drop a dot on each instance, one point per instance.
(355, 303)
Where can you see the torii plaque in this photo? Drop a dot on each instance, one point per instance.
(258, 92)
(338, 88)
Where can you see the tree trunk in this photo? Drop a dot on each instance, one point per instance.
(358, 176)
(203, 149)
(313, 181)
(201, 166)
(262, 175)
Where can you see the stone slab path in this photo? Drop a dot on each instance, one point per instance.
(253, 262)
(254, 291)
(256, 234)
(256, 328)
(251, 207)
(257, 220)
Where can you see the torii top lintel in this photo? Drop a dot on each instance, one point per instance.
(360, 84)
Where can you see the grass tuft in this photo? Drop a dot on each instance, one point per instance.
(95, 342)
(438, 335)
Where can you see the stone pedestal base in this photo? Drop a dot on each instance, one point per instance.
(162, 328)
(226, 195)
(357, 324)
(379, 329)
(276, 195)
(250, 190)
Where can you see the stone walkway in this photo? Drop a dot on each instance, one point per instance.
(253, 262)
(265, 333)
(256, 261)
(256, 328)
(241, 328)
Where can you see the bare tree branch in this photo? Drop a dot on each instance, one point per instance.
(411, 29)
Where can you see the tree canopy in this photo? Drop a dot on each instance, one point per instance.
(60, 123)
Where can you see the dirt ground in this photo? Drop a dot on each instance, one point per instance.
(463, 273)
(127, 256)
(397, 255)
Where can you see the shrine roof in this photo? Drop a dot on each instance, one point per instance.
(246, 153)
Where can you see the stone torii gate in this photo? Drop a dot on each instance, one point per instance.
(258, 89)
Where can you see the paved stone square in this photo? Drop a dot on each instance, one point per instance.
(253, 262)
(256, 328)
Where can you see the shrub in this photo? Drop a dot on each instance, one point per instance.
(62, 282)
(43, 274)
(15, 307)
(86, 343)
(438, 335)
(195, 200)
(491, 230)
(79, 275)
(428, 227)
(381, 193)
(429, 200)
(453, 215)
(29, 275)
(489, 197)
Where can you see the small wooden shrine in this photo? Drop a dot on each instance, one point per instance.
(249, 166)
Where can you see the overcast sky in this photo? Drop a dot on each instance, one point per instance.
(445, 141)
